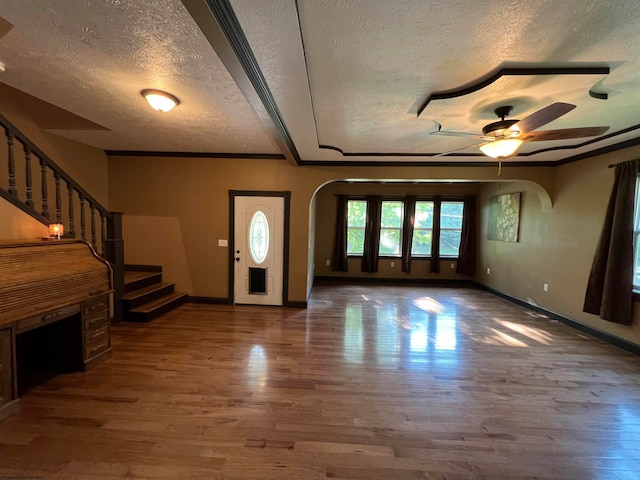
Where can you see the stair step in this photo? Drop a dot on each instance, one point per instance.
(154, 309)
(136, 298)
(137, 280)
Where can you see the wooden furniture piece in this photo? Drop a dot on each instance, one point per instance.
(42, 283)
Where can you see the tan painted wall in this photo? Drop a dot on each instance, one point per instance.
(326, 227)
(195, 191)
(158, 242)
(17, 225)
(557, 243)
(561, 218)
(87, 165)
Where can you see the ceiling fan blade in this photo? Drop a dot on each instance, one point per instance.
(542, 117)
(458, 149)
(562, 134)
(456, 134)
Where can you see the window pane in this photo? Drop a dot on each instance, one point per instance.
(451, 214)
(389, 242)
(356, 221)
(355, 241)
(391, 214)
(636, 265)
(424, 215)
(636, 243)
(259, 237)
(421, 242)
(356, 213)
(449, 242)
(637, 210)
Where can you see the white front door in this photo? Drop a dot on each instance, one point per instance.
(258, 250)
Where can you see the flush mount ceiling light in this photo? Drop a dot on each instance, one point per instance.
(159, 100)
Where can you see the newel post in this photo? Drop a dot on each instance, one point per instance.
(114, 248)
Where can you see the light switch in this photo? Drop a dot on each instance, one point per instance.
(222, 242)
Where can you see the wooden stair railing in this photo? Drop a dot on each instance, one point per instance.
(104, 228)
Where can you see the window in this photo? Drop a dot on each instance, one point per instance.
(356, 222)
(391, 227)
(636, 240)
(450, 228)
(422, 229)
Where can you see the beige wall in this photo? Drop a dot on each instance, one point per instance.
(86, 165)
(17, 225)
(158, 242)
(195, 191)
(561, 218)
(557, 242)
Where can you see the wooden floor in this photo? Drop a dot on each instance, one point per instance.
(369, 382)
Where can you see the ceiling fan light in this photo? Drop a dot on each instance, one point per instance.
(159, 100)
(501, 148)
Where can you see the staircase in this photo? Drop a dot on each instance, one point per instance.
(146, 295)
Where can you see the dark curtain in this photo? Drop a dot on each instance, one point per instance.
(340, 263)
(407, 231)
(467, 254)
(435, 237)
(610, 287)
(372, 234)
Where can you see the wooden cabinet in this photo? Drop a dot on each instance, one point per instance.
(8, 401)
(96, 334)
(55, 296)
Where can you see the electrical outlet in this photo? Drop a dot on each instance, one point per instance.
(545, 287)
(393, 264)
(488, 271)
(328, 262)
(453, 265)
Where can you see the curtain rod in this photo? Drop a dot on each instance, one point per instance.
(620, 163)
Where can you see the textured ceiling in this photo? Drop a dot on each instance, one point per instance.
(347, 77)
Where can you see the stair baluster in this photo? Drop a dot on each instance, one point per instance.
(83, 229)
(72, 225)
(56, 177)
(103, 235)
(12, 165)
(43, 179)
(92, 207)
(28, 177)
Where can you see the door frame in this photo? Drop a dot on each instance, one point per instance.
(286, 195)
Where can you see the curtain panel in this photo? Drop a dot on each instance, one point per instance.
(372, 234)
(467, 253)
(435, 237)
(610, 286)
(407, 232)
(340, 259)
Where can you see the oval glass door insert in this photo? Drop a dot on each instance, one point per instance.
(259, 237)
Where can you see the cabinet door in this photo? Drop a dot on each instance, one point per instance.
(6, 366)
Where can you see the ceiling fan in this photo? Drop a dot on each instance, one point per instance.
(503, 138)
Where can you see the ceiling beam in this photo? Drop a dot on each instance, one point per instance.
(217, 21)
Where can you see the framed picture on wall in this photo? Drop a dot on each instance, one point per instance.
(504, 217)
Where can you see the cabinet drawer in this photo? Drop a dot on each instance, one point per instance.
(95, 321)
(96, 342)
(95, 305)
(45, 318)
